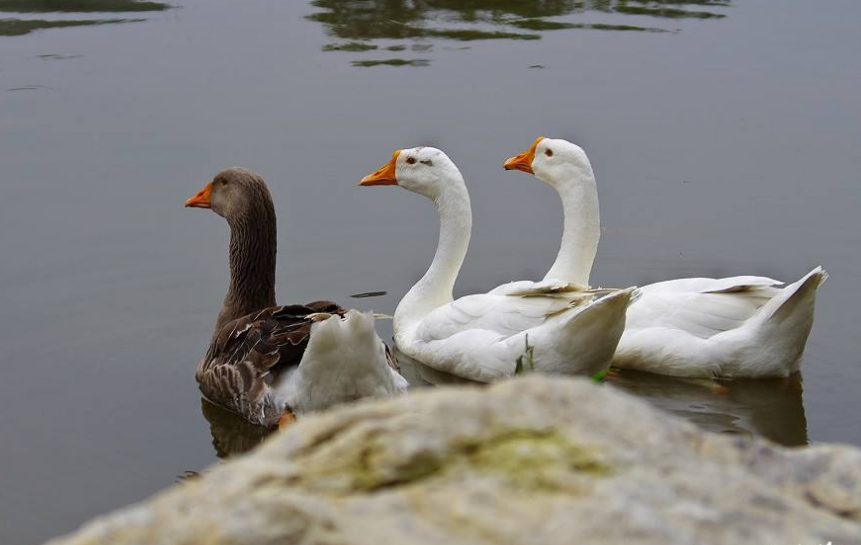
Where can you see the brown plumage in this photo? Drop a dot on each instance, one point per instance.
(254, 342)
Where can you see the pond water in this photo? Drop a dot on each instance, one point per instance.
(724, 137)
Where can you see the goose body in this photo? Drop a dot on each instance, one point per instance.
(268, 362)
(482, 336)
(744, 326)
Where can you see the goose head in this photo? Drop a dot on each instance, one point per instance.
(424, 170)
(554, 161)
(241, 197)
(233, 193)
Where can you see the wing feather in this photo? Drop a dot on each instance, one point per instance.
(505, 315)
(702, 307)
(250, 353)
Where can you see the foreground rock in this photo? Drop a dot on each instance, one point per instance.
(537, 460)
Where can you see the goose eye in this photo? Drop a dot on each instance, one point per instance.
(549, 153)
(223, 182)
(411, 160)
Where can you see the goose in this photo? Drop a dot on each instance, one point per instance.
(271, 363)
(743, 326)
(481, 337)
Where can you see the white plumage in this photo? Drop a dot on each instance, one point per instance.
(744, 326)
(745, 330)
(481, 337)
(345, 361)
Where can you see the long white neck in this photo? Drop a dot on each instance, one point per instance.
(582, 228)
(436, 286)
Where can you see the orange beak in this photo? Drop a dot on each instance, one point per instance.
(385, 175)
(524, 160)
(201, 200)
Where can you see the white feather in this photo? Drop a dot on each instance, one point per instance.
(480, 337)
(345, 360)
(744, 326)
(485, 345)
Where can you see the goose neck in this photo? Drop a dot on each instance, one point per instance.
(436, 286)
(582, 227)
(253, 246)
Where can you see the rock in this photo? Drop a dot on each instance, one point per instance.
(531, 460)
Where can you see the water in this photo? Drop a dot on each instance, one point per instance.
(723, 143)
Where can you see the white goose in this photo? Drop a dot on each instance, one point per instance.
(481, 337)
(744, 326)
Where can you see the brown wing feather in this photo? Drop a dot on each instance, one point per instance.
(391, 359)
(249, 353)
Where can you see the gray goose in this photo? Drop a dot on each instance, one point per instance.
(269, 363)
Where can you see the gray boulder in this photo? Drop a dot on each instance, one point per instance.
(543, 460)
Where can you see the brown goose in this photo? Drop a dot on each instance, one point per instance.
(267, 362)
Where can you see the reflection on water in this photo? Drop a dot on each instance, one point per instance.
(392, 62)
(231, 434)
(31, 88)
(16, 27)
(54, 57)
(420, 375)
(79, 6)
(361, 21)
(19, 27)
(771, 408)
(768, 408)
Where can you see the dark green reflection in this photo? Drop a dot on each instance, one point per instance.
(20, 27)
(541, 24)
(79, 6)
(17, 27)
(393, 62)
(359, 22)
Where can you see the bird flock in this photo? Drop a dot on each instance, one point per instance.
(272, 363)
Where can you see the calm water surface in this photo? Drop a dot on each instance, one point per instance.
(724, 136)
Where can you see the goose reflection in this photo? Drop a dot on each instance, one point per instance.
(363, 22)
(420, 375)
(770, 408)
(231, 434)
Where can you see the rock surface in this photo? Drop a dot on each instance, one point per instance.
(532, 460)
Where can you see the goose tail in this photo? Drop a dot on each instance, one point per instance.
(345, 360)
(786, 320)
(586, 342)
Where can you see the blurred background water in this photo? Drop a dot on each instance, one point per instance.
(724, 137)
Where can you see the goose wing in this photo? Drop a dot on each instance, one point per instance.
(249, 354)
(507, 309)
(527, 288)
(505, 315)
(702, 307)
